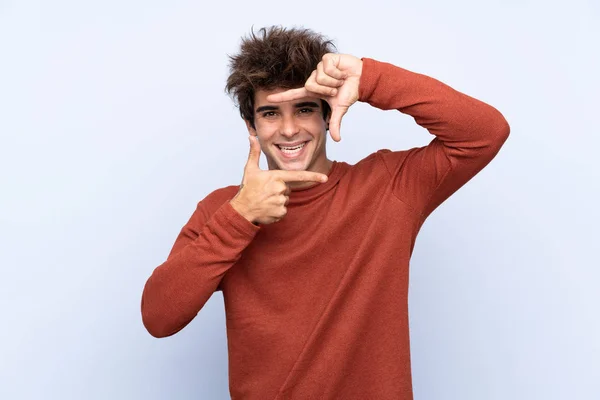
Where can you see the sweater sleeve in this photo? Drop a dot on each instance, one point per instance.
(204, 250)
(468, 133)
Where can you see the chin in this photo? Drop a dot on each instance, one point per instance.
(293, 166)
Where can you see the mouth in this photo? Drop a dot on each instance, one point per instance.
(295, 151)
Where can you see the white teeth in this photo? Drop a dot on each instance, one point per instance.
(291, 150)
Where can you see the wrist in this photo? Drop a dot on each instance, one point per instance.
(242, 210)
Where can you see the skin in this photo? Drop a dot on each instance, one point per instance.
(291, 116)
(263, 195)
(291, 121)
(335, 80)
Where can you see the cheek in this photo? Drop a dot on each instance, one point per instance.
(265, 132)
(316, 126)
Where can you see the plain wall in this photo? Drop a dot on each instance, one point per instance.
(114, 124)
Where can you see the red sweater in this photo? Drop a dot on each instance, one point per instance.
(317, 304)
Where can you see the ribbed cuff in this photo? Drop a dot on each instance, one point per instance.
(368, 78)
(227, 215)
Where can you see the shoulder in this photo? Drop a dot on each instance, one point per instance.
(382, 159)
(206, 207)
(392, 160)
(222, 194)
(217, 198)
(397, 154)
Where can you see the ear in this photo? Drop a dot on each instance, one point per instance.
(251, 130)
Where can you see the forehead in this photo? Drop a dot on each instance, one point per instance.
(260, 98)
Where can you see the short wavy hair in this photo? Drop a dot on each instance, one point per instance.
(275, 58)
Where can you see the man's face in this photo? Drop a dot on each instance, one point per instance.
(290, 124)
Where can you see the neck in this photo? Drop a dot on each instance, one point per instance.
(323, 168)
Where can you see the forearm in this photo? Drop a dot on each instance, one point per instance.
(465, 125)
(178, 289)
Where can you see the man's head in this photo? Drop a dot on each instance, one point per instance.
(274, 60)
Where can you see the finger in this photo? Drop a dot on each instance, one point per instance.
(320, 90)
(315, 88)
(292, 94)
(335, 123)
(300, 176)
(281, 187)
(324, 79)
(288, 191)
(330, 67)
(254, 156)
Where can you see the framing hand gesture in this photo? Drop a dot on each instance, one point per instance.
(336, 81)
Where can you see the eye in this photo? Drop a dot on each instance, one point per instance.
(305, 110)
(268, 114)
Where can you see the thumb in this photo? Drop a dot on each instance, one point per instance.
(254, 156)
(335, 122)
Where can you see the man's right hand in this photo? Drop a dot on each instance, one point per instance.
(263, 195)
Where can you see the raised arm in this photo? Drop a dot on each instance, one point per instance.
(468, 133)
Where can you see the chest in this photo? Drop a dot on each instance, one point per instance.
(297, 263)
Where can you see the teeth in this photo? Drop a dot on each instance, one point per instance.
(292, 149)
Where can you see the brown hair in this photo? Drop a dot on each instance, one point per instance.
(276, 58)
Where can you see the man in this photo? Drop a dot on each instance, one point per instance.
(312, 256)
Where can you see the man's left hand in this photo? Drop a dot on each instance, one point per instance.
(336, 81)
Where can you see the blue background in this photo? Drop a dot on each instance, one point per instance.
(114, 124)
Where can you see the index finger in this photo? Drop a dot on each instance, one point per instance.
(292, 94)
(300, 176)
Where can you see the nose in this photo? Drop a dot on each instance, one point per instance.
(289, 127)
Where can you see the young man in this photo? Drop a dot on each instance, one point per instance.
(312, 256)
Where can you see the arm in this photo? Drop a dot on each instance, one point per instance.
(204, 250)
(468, 133)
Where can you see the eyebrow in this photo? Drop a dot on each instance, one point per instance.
(297, 105)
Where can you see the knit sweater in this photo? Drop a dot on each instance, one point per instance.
(316, 304)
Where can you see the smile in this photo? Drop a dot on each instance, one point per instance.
(292, 152)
